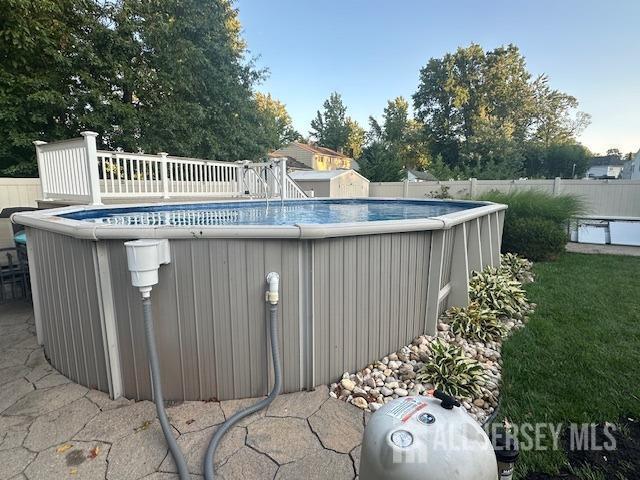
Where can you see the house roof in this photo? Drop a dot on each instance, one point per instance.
(319, 150)
(610, 160)
(291, 162)
(423, 175)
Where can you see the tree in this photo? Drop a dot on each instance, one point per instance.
(466, 95)
(147, 76)
(379, 164)
(615, 152)
(43, 50)
(491, 152)
(355, 139)
(566, 161)
(480, 110)
(189, 82)
(400, 134)
(441, 170)
(275, 121)
(552, 119)
(396, 121)
(330, 127)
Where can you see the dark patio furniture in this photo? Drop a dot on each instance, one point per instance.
(14, 263)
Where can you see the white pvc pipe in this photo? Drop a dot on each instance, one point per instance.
(273, 279)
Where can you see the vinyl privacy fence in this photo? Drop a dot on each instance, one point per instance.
(16, 192)
(602, 197)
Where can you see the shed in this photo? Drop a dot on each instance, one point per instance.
(332, 183)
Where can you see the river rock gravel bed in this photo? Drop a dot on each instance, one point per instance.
(394, 375)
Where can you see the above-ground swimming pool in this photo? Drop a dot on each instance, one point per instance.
(292, 212)
(359, 279)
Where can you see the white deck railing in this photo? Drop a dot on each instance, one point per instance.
(66, 170)
(74, 170)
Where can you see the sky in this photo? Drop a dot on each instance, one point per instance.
(371, 51)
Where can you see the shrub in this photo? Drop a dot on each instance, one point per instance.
(442, 194)
(475, 323)
(451, 371)
(537, 238)
(516, 267)
(535, 203)
(496, 291)
(535, 222)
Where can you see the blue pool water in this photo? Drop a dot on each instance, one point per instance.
(257, 213)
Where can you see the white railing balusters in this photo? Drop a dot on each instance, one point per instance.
(74, 170)
(112, 174)
(103, 166)
(69, 169)
(117, 173)
(128, 176)
(144, 175)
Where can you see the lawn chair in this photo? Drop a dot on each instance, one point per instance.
(14, 275)
(14, 263)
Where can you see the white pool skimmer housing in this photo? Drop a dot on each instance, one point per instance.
(144, 258)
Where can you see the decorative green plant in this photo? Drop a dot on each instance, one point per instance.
(537, 238)
(498, 292)
(451, 371)
(533, 203)
(475, 323)
(535, 224)
(519, 268)
(443, 193)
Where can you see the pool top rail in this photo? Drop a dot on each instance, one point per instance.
(57, 220)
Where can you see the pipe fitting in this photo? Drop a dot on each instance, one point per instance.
(272, 296)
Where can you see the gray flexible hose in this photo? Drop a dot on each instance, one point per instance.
(222, 429)
(152, 353)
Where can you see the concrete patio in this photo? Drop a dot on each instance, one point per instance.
(51, 427)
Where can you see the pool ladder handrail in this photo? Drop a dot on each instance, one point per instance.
(268, 168)
(247, 189)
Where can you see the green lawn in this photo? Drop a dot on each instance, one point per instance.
(578, 359)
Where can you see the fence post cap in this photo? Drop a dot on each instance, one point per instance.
(163, 154)
(39, 142)
(89, 133)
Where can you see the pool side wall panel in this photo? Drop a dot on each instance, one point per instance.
(210, 318)
(210, 312)
(69, 307)
(370, 298)
(345, 302)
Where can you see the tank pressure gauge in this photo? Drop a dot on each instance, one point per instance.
(402, 438)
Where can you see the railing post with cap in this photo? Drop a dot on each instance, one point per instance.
(239, 184)
(42, 170)
(92, 167)
(283, 178)
(164, 174)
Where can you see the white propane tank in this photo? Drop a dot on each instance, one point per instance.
(424, 438)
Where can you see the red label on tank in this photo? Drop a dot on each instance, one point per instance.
(416, 409)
